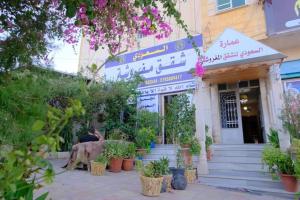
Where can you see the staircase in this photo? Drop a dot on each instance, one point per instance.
(240, 167)
(165, 150)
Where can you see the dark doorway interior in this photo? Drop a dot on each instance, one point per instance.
(250, 110)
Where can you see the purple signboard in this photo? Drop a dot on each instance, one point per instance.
(282, 15)
(160, 65)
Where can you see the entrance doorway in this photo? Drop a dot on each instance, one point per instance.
(250, 112)
(240, 112)
(168, 138)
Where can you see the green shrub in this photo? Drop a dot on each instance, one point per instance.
(130, 150)
(208, 142)
(273, 138)
(114, 149)
(195, 148)
(154, 169)
(101, 159)
(269, 158)
(143, 138)
(179, 160)
(164, 163)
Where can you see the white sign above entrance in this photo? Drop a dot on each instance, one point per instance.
(233, 47)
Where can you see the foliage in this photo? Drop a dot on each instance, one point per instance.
(154, 169)
(143, 138)
(21, 164)
(164, 162)
(29, 26)
(208, 142)
(147, 119)
(101, 159)
(273, 138)
(180, 118)
(179, 159)
(290, 114)
(114, 149)
(195, 147)
(278, 161)
(117, 135)
(130, 150)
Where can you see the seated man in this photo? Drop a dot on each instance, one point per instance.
(93, 135)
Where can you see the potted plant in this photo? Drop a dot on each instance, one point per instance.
(281, 164)
(114, 151)
(208, 143)
(151, 178)
(191, 147)
(143, 140)
(152, 138)
(190, 174)
(129, 156)
(179, 164)
(98, 165)
(164, 161)
(286, 169)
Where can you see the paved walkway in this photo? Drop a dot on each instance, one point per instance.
(80, 185)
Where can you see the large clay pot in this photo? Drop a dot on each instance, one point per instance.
(187, 156)
(128, 164)
(97, 169)
(289, 182)
(115, 164)
(208, 154)
(151, 186)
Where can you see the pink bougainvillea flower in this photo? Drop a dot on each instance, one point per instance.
(199, 69)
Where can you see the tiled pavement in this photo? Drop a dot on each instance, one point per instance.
(80, 185)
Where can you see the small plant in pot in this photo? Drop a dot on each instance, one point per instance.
(194, 149)
(286, 169)
(143, 140)
(179, 181)
(152, 138)
(151, 178)
(98, 165)
(281, 164)
(129, 156)
(208, 143)
(190, 174)
(164, 161)
(185, 144)
(114, 151)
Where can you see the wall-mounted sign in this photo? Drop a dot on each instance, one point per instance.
(282, 15)
(233, 47)
(293, 86)
(149, 103)
(159, 65)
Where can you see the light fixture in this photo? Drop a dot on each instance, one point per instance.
(245, 108)
(243, 99)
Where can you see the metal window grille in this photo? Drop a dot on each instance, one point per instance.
(229, 115)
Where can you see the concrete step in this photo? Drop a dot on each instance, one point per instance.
(254, 189)
(238, 147)
(238, 153)
(236, 159)
(243, 182)
(239, 173)
(237, 166)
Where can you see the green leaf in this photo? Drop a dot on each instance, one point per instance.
(43, 196)
(38, 125)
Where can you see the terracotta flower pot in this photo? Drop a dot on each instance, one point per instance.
(142, 152)
(187, 156)
(127, 164)
(151, 186)
(289, 182)
(208, 154)
(115, 164)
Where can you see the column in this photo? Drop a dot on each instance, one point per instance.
(215, 112)
(201, 93)
(265, 107)
(275, 89)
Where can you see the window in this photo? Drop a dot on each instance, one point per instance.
(229, 4)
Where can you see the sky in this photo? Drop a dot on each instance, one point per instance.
(66, 57)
